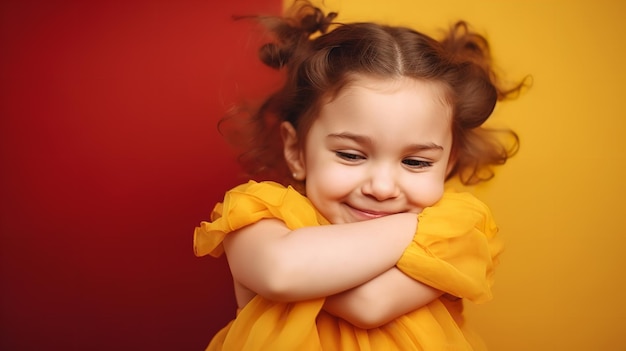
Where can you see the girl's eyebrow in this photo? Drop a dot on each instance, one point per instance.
(425, 147)
(361, 139)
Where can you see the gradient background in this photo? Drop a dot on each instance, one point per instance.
(110, 157)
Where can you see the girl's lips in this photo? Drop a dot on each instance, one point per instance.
(367, 214)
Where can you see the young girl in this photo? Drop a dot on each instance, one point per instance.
(357, 246)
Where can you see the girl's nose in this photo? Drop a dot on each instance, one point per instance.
(381, 184)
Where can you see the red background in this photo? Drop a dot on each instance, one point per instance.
(110, 157)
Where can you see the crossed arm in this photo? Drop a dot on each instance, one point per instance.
(381, 300)
(353, 265)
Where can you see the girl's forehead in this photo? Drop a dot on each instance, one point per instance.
(360, 87)
(360, 83)
(385, 103)
(361, 94)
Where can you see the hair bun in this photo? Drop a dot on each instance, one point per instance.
(290, 35)
(316, 21)
(273, 55)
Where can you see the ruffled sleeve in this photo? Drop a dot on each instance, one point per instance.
(247, 204)
(455, 248)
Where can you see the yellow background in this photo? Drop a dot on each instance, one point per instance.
(560, 201)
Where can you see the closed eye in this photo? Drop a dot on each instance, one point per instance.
(349, 156)
(417, 164)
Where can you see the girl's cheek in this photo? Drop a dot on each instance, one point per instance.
(426, 194)
(436, 194)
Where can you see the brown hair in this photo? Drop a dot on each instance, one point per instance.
(317, 67)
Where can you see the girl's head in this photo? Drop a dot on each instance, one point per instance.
(379, 146)
(319, 69)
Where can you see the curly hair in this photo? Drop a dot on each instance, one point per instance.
(319, 57)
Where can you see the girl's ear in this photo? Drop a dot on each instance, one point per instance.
(293, 151)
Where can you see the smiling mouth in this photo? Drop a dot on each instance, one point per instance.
(368, 214)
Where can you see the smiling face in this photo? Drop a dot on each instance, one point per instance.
(379, 147)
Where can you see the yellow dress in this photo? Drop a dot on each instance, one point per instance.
(454, 250)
